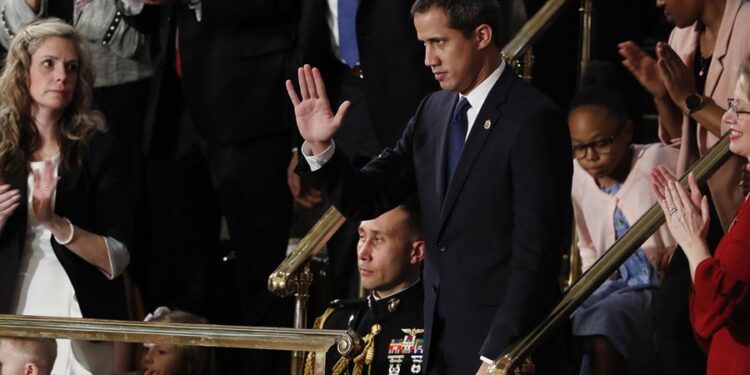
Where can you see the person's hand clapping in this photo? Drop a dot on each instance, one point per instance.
(678, 79)
(686, 213)
(45, 184)
(644, 69)
(316, 122)
(9, 201)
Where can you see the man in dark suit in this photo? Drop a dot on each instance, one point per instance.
(228, 155)
(495, 196)
(363, 60)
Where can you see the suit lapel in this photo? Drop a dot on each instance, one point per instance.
(441, 157)
(485, 123)
(731, 10)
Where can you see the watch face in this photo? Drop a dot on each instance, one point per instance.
(692, 102)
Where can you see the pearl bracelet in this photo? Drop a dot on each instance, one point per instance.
(70, 237)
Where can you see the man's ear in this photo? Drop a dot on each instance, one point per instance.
(31, 369)
(483, 35)
(417, 252)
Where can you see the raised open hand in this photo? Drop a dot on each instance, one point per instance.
(45, 184)
(316, 122)
(644, 68)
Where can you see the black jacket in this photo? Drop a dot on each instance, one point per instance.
(94, 196)
(399, 343)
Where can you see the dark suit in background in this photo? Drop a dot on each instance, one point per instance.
(494, 235)
(394, 80)
(228, 154)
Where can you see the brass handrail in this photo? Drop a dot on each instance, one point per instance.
(605, 266)
(531, 31)
(587, 15)
(281, 281)
(292, 276)
(270, 338)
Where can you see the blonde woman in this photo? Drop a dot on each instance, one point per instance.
(720, 294)
(62, 192)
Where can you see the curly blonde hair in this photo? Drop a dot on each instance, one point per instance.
(19, 137)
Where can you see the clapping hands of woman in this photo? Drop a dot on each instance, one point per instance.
(45, 184)
(9, 201)
(686, 214)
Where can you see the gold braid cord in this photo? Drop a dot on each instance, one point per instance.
(363, 359)
(319, 322)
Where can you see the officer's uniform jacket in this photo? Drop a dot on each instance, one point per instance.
(392, 331)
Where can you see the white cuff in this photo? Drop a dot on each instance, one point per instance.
(118, 255)
(487, 360)
(317, 161)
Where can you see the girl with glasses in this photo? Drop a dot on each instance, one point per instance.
(611, 190)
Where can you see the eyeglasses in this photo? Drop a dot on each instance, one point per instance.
(600, 146)
(735, 108)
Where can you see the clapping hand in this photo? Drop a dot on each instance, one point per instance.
(678, 79)
(9, 201)
(686, 213)
(45, 184)
(644, 69)
(316, 122)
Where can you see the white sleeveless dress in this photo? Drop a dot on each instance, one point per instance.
(44, 289)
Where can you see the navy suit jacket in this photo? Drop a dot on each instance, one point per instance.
(494, 234)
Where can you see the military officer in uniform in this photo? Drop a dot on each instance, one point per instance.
(389, 257)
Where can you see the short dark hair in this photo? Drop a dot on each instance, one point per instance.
(466, 15)
(413, 223)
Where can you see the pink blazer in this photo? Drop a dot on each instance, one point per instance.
(732, 49)
(595, 209)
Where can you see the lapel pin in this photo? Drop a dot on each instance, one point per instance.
(487, 124)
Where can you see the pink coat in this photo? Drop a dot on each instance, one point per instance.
(732, 49)
(595, 209)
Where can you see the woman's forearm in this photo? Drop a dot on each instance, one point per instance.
(89, 246)
(670, 118)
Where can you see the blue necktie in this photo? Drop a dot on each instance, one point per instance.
(457, 134)
(347, 12)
